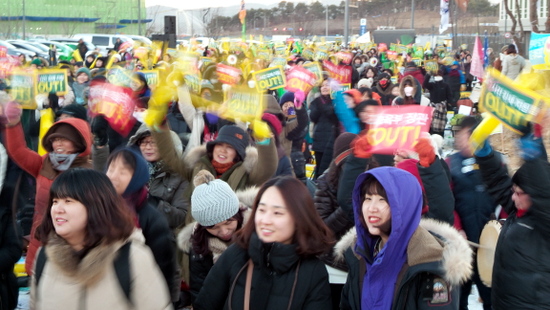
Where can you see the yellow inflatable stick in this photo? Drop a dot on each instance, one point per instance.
(483, 131)
(261, 130)
(47, 118)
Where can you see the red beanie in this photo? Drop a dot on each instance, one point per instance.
(274, 122)
(410, 165)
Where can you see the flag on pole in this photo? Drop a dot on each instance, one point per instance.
(242, 12)
(444, 12)
(477, 60)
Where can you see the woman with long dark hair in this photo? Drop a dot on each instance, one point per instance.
(85, 230)
(273, 264)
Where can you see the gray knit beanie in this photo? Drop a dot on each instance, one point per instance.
(213, 201)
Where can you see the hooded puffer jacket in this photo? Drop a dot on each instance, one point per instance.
(422, 264)
(521, 269)
(41, 169)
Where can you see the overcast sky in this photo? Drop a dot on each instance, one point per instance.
(191, 5)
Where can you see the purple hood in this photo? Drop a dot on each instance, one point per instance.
(405, 200)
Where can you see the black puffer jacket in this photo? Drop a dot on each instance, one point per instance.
(10, 252)
(326, 124)
(473, 203)
(274, 279)
(326, 203)
(521, 271)
(161, 240)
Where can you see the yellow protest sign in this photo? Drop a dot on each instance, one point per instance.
(270, 78)
(51, 81)
(244, 104)
(22, 90)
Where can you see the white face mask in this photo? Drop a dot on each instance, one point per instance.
(408, 91)
(438, 78)
(140, 116)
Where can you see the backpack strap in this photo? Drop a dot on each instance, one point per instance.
(40, 263)
(122, 269)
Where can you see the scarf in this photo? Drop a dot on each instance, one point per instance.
(221, 168)
(61, 162)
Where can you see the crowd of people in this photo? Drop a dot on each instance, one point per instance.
(205, 211)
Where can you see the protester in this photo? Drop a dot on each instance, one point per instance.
(128, 172)
(512, 63)
(326, 128)
(68, 145)
(440, 95)
(522, 247)
(473, 204)
(408, 263)
(283, 239)
(166, 188)
(91, 248)
(219, 214)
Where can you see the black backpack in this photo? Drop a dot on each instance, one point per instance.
(121, 264)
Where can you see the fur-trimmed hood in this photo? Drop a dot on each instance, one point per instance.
(90, 269)
(453, 251)
(193, 157)
(413, 81)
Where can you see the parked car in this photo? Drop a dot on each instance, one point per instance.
(64, 51)
(73, 43)
(29, 47)
(14, 51)
(105, 42)
(141, 39)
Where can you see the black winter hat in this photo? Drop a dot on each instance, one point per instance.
(74, 110)
(232, 135)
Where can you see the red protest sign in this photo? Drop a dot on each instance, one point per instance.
(299, 78)
(227, 74)
(3, 51)
(341, 73)
(116, 103)
(345, 57)
(396, 128)
(7, 65)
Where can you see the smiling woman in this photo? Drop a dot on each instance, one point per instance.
(86, 227)
(278, 251)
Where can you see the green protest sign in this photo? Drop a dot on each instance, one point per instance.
(152, 77)
(193, 81)
(514, 106)
(51, 81)
(270, 78)
(22, 90)
(118, 76)
(343, 88)
(315, 68)
(278, 61)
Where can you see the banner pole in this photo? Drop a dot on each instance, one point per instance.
(244, 30)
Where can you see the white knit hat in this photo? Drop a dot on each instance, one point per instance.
(213, 201)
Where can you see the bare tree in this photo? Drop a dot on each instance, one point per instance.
(533, 15)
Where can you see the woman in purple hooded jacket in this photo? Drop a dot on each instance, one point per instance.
(397, 260)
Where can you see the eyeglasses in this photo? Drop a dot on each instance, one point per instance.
(147, 142)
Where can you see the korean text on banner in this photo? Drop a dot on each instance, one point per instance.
(270, 78)
(115, 103)
(539, 51)
(244, 104)
(228, 74)
(512, 105)
(340, 73)
(51, 81)
(300, 78)
(22, 88)
(315, 68)
(397, 128)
